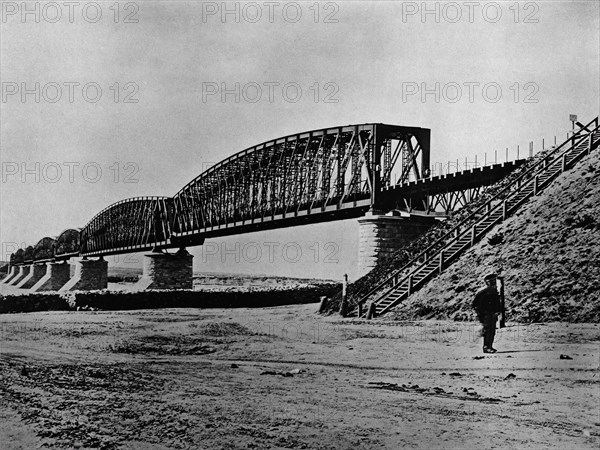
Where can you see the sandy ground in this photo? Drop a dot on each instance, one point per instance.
(285, 377)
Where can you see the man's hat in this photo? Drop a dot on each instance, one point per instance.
(490, 276)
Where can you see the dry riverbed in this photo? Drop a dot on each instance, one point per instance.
(285, 377)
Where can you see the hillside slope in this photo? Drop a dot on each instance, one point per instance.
(549, 254)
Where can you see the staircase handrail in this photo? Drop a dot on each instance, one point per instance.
(572, 139)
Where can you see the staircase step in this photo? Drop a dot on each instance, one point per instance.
(518, 199)
(397, 293)
(387, 304)
(485, 224)
(548, 175)
(462, 243)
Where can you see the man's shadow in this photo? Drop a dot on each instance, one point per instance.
(517, 351)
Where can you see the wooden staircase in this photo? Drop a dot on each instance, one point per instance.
(438, 256)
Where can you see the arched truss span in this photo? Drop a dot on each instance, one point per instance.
(131, 225)
(17, 257)
(28, 255)
(67, 244)
(308, 177)
(44, 249)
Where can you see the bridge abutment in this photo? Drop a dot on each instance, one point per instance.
(57, 275)
(167, 271)
(23, 272)
(380, 236)
(36, 273)
(89, 275)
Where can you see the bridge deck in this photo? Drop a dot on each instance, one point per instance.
(457, 181)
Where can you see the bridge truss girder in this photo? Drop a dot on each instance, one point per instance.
(316, 176)
(452, 201)
(304, 174)
(442, 203)
(135, 224)
(44, 249)
(322, 175)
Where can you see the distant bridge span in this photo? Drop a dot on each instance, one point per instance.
(317, 176)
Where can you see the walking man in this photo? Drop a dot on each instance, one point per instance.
(487, 305)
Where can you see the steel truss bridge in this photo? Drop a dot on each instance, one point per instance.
(317, 176)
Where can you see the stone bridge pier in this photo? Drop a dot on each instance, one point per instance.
(23, 272)
(89, 275)
(57, 275)
(381, 235)
(11, 273)
(167, 271)
(36, 272)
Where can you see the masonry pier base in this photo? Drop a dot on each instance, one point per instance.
(14, 270)
(23, 273)
(36, 272)
(57, 275)
(89, 276)
(167, 271)
(381, 236)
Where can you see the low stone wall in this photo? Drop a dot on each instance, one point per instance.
(33, 302)
(162, 299)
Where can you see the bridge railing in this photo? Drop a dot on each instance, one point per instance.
(574, 140)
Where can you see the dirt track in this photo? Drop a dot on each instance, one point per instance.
(285, 377)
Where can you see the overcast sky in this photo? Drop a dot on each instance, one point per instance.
(140, 98)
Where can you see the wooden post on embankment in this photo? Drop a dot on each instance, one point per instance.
(344, 304)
